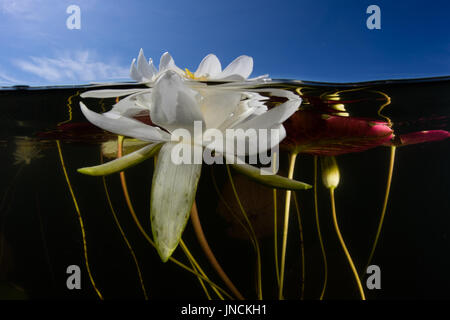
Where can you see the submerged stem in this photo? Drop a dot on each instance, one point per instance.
(275, 235)
(197, 266)
(383, 211)
(145, 234)
(322, 247)
(80, 219)
(302, 248)
(201, 281)
(116, 220)
(292, 158)
(209, 254)
(241, 223)
(253, 235)
(275, 227)
(344, 247)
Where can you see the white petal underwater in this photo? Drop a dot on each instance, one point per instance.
(110, 93)
(243, 144)
(218, 105)
(174, 105)
(129, 106)
(274, 116)
(118, 124)
(251, 105)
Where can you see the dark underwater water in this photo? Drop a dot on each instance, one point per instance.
(40, 232)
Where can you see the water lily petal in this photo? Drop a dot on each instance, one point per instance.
(152, 66)
(134, 72)
(218, 105)
(130, 106)
(273, 181)
(241, 66)
(167, 63)
(174, 105)
(264, 142)
(144, 101)
(122, 163)
(232, 77)
(246, 142)
(267, 141)
(274, 116)
(245, 110)
(210, 66)
(261, 78)
(173, 193)
(143, 67)
(275, 92)
(118, 124)
(110, 93)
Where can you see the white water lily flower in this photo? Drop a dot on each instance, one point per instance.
(174, 104)
(147, 72)
(210, 69)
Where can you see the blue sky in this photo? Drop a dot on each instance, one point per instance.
(318, 40)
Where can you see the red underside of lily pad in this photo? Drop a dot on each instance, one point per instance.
(307, 132)
(84, 132)
(420, 137)
(322, 134)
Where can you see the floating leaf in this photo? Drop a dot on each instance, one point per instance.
(122, 163)
(419, 137)
(274, 181)
(322, 134)
(173, 193)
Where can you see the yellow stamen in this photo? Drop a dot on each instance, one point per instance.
(189, 74)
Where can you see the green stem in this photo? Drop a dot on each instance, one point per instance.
(252, 231)
(130, 248)
(292, 159)
(322, 247)
(302, 249)
(80, 220)
(275, 235)
(383, 212)
(344, 247)
(209, 254)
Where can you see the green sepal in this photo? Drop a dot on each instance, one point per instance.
(270, 180)
(125, 162)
